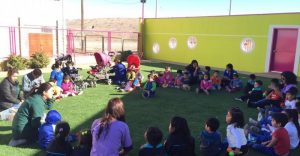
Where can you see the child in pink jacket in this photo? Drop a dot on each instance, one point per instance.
(68, 87)
(168, 79)
(205, 85)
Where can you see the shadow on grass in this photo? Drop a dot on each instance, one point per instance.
(5, 138)
(5, 128)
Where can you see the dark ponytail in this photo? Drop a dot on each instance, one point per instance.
(44, 87)
(62, 130)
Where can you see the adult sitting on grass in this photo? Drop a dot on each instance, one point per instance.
(111, 133)
(31, 81)
(194, 71)
(10, 93)
(288, 80)
(120, 72)
(28, 118)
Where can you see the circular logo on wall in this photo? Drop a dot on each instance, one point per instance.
(172, 43)
(247, 45)
(192, 42)
(155, 48)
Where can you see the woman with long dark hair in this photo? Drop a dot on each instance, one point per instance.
(28, 118)
(111, 133)
(194, 71)
(10, 92)
(288, 80)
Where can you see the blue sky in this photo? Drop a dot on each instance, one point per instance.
(176, 8)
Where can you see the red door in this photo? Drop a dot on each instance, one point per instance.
(283, 50)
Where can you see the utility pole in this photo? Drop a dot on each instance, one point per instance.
(82, 26)
(156, 9)
(230, 7)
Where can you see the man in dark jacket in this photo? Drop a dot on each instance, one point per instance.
(10, 92)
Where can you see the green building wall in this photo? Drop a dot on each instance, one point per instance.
(218, 39)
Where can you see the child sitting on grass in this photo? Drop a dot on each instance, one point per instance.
(167, 78)
(254, 95)
(290, 98)
(85, 144)
(153, 147)
(280, 142)
(159, 79)
(216, 80)
(250, 83)
(46, 131)
(178, 79)
(237, 142)
(57, 91)
(149, 87)
(273, 98)
(68, 87)
(235, 84)
(179, 142)
(205, 84)
(60, 145)
(186, 82)
(292, 127)
(210, 138)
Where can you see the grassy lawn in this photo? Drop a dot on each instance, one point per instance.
(140, 113)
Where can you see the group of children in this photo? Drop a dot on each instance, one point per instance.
(62, 80)
(275, 132)
(193, 75)
(55, 138)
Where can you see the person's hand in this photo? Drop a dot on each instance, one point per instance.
(265, 143)
(21, 102)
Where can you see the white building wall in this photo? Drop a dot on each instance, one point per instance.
(34, 14)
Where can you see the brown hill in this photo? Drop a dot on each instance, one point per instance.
(107, 24)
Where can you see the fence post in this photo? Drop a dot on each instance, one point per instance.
(20, 42)
(109, 41)
(56, 31)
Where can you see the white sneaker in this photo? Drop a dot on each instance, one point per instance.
(15, 143)
(238, 99)
(80, 93)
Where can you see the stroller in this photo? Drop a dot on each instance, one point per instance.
(100, 71)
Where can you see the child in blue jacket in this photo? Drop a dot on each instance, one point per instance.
(46, 131)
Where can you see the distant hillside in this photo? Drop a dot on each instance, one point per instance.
(93, 39)
(111, 24)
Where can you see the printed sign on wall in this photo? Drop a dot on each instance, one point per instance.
(247, 45)
(172, 43)
(155, 48)
(192, 42)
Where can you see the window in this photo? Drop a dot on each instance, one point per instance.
(192, 42)
(172, 43)
(247, 45)
(155, 48)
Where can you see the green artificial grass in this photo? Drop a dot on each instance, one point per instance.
(141, 113)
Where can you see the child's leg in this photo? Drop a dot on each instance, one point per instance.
(261, 103)
(245, 97)
(206, 91)
(152, 94)
(264, 149)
